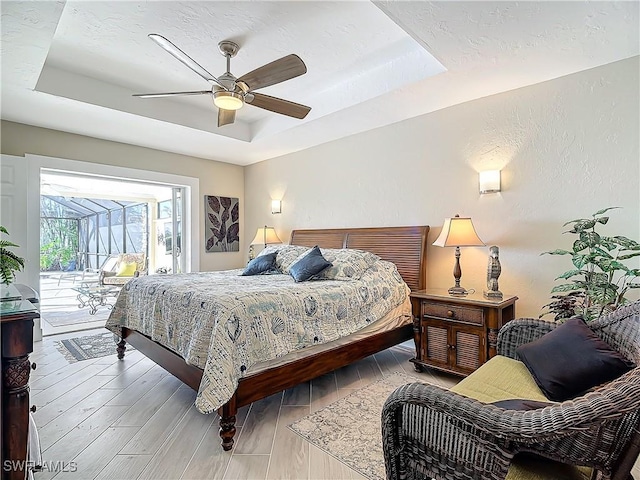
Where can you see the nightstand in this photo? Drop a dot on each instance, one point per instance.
(457, 334)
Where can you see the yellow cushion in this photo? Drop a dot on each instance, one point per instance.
(126, 269)
(530, 467)
(501, 378)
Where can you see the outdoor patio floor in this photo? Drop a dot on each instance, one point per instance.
(59, 306)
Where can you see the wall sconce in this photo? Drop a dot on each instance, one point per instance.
(489, 181)
(276, 206)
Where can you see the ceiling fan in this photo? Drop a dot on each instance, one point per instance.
(230, 93)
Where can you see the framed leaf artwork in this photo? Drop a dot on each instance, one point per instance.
(222, 224)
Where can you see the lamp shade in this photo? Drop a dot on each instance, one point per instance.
(265, 236)
(458, 232)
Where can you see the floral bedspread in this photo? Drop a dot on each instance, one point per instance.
(225, 323)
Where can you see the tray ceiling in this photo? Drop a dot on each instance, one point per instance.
(73, 66)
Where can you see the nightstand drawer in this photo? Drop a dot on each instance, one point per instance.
(453, 312)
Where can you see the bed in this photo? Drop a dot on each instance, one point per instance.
(403, 246)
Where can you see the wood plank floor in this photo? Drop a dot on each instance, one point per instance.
(132, 420)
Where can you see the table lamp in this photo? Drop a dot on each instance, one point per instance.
(458, 232)
(264, 236)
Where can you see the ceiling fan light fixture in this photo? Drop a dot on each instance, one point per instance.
(228, 100)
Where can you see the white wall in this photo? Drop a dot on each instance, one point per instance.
(214, 178)
(566, 147)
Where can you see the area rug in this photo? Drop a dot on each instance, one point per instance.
(73, 316)
(89, 346)
(350, 428)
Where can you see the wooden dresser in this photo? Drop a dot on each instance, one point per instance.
(16, 317)
(457, 334)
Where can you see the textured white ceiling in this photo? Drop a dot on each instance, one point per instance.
(73, 65)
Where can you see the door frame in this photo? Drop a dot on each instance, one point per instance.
(35, 163)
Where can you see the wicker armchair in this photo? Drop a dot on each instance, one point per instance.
(429, 431)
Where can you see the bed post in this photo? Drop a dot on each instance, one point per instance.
(228, 423)
(121, 347)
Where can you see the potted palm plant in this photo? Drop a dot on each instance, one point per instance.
(10, 263)
(601, 277)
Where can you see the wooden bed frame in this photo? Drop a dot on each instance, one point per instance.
(404, 246)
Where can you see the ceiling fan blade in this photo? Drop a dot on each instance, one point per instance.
(277, 71)
(170, 94)
(278, 105)
(226, 117)
(184, 58)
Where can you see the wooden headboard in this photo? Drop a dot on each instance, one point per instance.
(404, 246)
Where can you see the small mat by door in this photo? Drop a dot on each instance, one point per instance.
(89, 346)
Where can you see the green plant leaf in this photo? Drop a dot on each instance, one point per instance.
(607, 265)
(600, 212)
(579, 245)
(7, 243)
(590, 238)
(597, 279)
(9, 261)
(579, 261)
(625, 242)
(566, 287)
(603, 295)
(584, 225)
(608, 243)
(577, 220)
(602, 253)
(557, 252)
(616, 265)
(569, 274)
(600, 275)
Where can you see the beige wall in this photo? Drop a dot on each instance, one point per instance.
(215, 178)
(566, 147)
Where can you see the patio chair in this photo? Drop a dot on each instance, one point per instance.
(69, 272)
(429, 431)
(120, 268)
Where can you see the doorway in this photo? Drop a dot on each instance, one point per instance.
(86, 223)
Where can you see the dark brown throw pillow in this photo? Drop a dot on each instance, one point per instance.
(570, 360)
(520, 404)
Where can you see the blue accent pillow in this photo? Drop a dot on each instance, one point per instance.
(261, 264)
(570, 360)
(309, 265)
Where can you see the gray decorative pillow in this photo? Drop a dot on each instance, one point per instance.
(261, 264)
(287, 256)
(271, 249)
(309, 265)
(348, 264)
